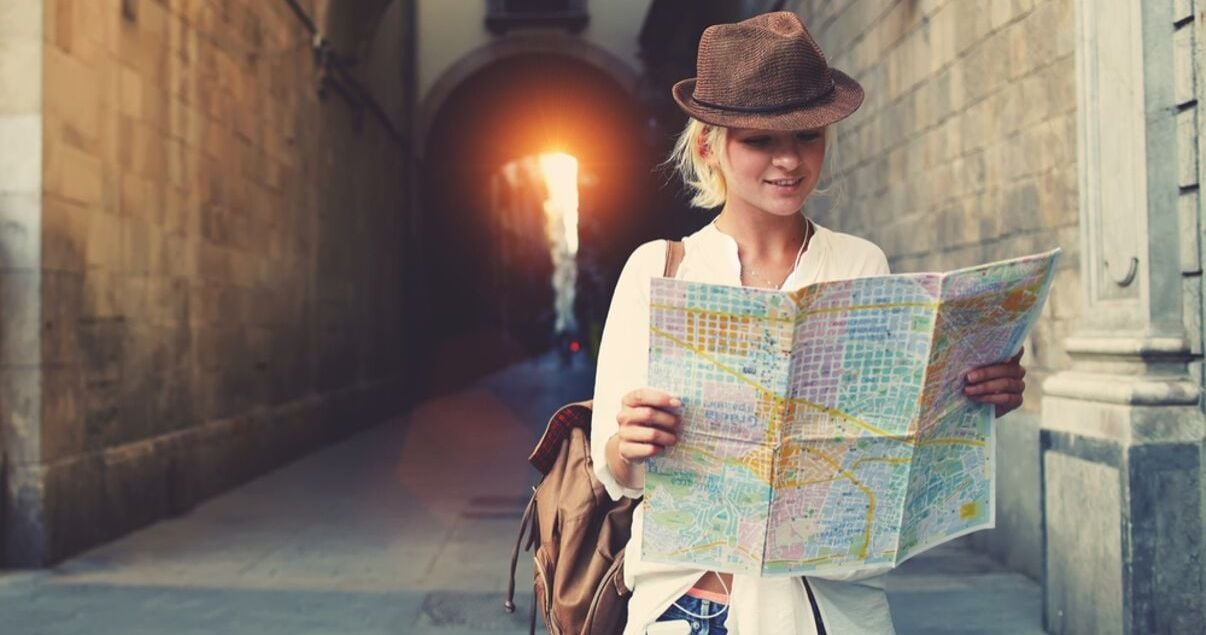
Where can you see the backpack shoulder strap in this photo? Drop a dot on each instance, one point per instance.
(674, 255)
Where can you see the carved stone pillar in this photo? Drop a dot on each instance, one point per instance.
(1122, 428)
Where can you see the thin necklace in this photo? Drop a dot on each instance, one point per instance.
(808, 231)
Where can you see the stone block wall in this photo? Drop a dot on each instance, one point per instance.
(20, 244)
(965, 151)
(1186, 86)
(218, 282)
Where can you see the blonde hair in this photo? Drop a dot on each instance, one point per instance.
(705, 179)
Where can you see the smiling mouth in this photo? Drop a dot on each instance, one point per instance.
(785, 182)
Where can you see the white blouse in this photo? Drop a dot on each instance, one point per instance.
(849, 603)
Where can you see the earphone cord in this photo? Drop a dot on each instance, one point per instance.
(701, 616)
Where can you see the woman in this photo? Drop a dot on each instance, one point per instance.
(761, 113)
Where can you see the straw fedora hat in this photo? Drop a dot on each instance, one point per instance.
(768, 73)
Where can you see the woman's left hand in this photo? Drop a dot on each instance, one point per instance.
(998, 384)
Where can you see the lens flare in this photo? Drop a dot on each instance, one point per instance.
(561, 179)
(560, 171)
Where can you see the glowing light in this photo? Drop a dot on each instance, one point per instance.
(560, 172)
(561, 179)
(516, 190)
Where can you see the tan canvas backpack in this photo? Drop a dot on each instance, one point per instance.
(579, 533)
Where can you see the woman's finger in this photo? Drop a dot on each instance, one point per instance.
(1003, 385)
(650, 397)
(985, 373)
(638, 451)
(647, 436)
(647, 416)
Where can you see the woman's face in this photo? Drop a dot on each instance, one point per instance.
(772, 170)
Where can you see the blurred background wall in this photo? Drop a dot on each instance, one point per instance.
(205, 264)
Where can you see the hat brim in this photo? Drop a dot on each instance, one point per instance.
(846, 98)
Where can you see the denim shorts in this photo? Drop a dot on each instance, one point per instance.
(713, 626)
(716, 624)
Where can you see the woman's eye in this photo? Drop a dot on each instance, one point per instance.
(756, 141)
(808, 136)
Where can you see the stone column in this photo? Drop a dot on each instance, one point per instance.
(1122, 428)
(21, 477)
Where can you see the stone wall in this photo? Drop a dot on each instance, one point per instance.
(1187, 68)
(20, 244)
(221, 259)
(463, 35)
(965, 152)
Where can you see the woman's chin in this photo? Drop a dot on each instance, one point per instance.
(783, 207)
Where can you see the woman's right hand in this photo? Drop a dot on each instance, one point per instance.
(650, 421)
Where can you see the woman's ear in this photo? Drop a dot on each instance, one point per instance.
(704, 147)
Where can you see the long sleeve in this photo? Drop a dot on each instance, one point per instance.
(623, 355)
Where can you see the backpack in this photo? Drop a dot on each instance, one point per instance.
(578, 532)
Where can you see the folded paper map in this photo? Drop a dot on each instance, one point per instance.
(826, 429)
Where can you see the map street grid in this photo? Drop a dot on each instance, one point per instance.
(826, 429)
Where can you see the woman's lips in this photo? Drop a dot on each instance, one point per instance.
(784, 185)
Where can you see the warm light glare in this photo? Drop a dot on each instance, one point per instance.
(561, 179)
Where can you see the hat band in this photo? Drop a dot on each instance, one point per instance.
(767, 109)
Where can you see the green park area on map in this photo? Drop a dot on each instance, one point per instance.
(826, 429)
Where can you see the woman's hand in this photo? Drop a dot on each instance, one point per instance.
(998, 384)
(650, 421)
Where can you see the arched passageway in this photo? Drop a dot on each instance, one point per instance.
(500, 306)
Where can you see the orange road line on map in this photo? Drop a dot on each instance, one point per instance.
(838, 309)
(712, 545)
(864, 307)
(808, 561)
(807, 483)
(833, 412)
(848, 418)
(726, 314)
(709, 545)
(950, 441)
(868, 459)
(880, 459)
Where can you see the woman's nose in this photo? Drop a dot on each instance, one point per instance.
(787, 156)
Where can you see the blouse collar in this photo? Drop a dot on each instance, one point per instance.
(716, 253)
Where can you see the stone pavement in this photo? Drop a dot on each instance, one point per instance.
(402, 529)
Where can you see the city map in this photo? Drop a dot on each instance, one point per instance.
(826, 428)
